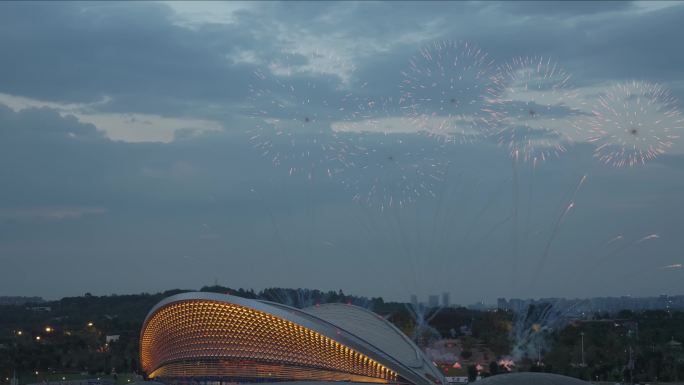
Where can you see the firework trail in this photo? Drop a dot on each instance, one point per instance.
(271, 217)
(490, 201)
(443, 90)
(492, 230)
(528, 218)
(632, 123)
(530, 107)
(516, 203)
(674, 266)
(557, 226)
(528, 111)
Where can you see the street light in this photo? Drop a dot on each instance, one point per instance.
(583, 364)
(90, 324)
(48, 329)
(37, 339)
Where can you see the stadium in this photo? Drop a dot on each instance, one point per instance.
(208, 338)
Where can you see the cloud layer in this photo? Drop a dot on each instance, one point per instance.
(261, 143)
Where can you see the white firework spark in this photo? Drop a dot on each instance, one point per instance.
(648, 238)
(633, 123)
(443, 90)
(292, 121)
(531, 107)
(615, 239)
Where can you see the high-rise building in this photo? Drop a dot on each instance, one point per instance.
(445, 299)
(502, 304)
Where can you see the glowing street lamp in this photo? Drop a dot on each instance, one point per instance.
(37, 339)
(48, 329)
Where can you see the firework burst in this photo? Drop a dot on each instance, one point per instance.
(292, 121)
(531, 108)
(387, 163)
(443, 87)
(632, 123)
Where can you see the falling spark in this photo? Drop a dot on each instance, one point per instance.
(672, 267)
(648, 238)
(613, 240)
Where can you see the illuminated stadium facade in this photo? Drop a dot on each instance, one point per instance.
(217, 338)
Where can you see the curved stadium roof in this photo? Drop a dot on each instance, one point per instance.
(530, 379)
(374, 329)
(217, 336)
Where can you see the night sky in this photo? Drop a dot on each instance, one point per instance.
(385, 149)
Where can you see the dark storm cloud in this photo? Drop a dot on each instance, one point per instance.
(562, 9)
(81, 52)
(602, 41)
(49, 158)
(641, 46)
(43, 124)
(617, 46)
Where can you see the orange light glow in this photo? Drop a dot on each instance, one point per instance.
(205, 338)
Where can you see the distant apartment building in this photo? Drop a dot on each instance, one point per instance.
(445, 300)
(502, 304)
(588, 306)
(19, 301)
(40, 308)
(480, 306)
(414, 301)
(112, 338)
